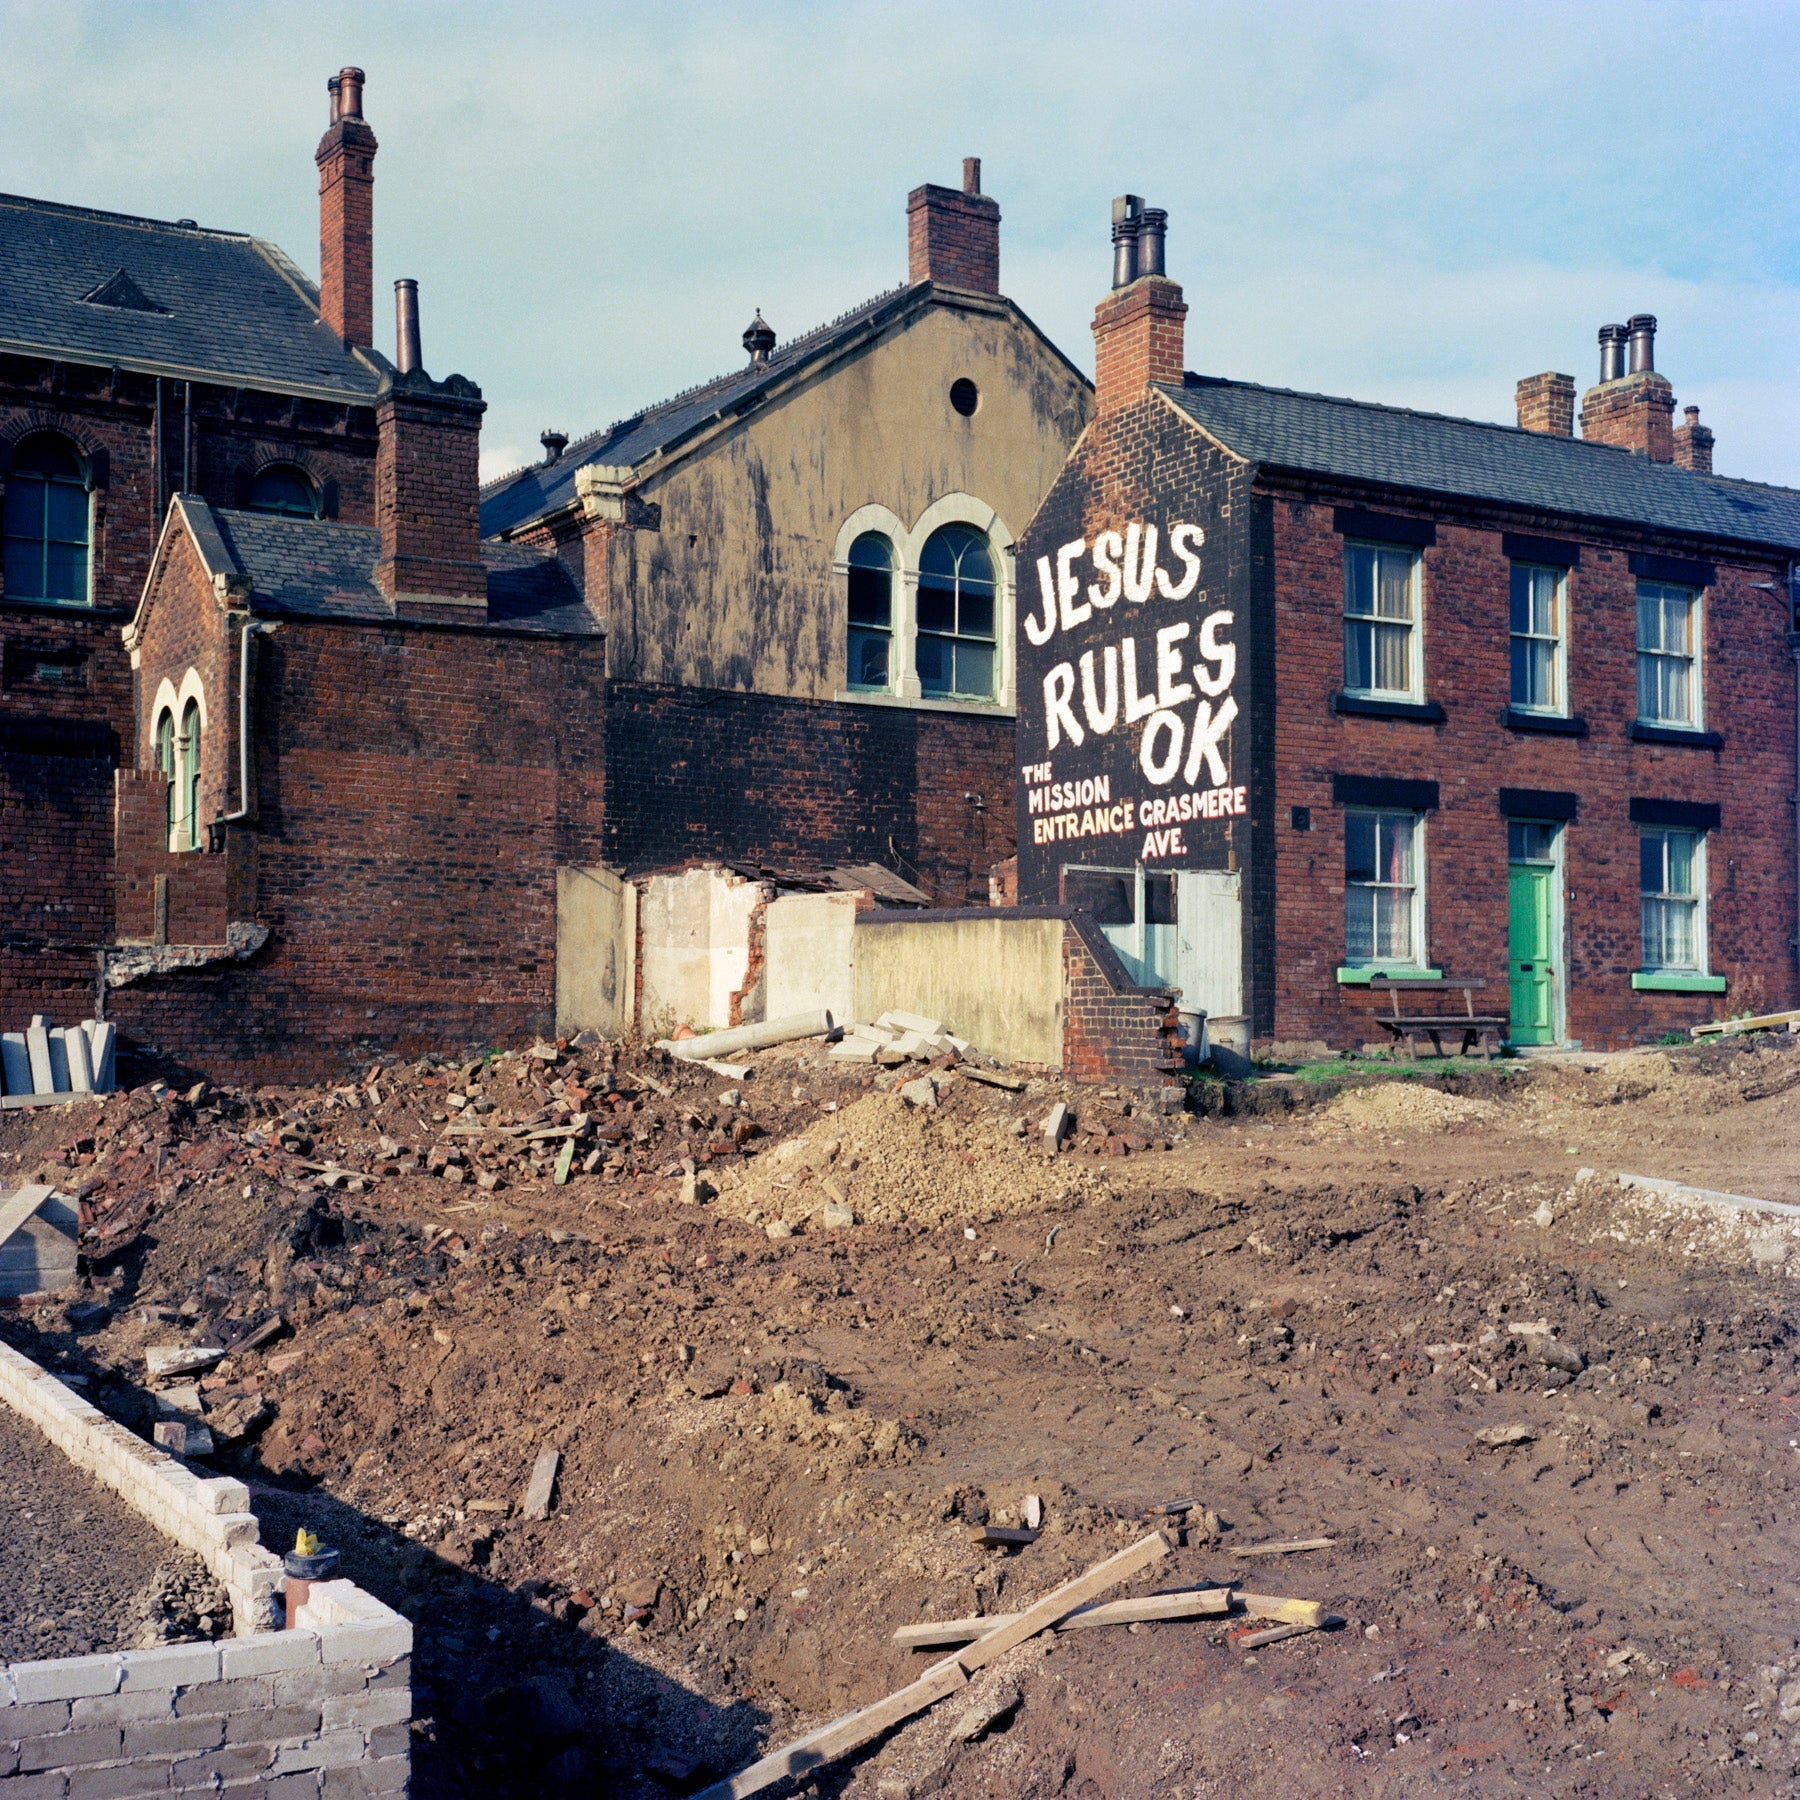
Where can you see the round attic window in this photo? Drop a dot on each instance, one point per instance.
(965, 396)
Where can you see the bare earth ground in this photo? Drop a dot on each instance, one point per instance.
(773, 1448)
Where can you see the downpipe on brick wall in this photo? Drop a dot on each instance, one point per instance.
(245, 805)
(1793, 638)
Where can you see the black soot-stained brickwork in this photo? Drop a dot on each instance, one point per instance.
(701, 772)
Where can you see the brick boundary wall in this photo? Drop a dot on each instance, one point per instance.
(322, 1709)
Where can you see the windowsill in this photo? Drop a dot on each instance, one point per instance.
(65, 607)
(1361, 975)
(1657, 981)
(980, 709)
(1646, 733)
(1423, 712)
(1551, 724)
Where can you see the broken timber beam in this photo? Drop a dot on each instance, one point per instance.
(1286, 1547)
(854, 1729)
(1194, 1603)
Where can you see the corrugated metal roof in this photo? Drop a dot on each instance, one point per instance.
(1430, 453)
(527, 494)
(214, 306)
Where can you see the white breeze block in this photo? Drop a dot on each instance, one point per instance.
(37, 1046)
(268, 1653)
(367, 1709)
(65, 1678)
(15, 1062)
(171, 1666)
(371, 1643)
(102, 1037)
(223, 1494)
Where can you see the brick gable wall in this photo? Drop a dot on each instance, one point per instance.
(417, 789)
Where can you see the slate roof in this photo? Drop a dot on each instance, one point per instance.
(214, 306)
(319, 569)
(1430, 453)
(531, 492)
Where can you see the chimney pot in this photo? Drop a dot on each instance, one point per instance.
(408, 356)
(349, 93)
(971, 174)
(331, 88)
(1153, 226)
(1612, 352)
(555, 443)
(1642, 327)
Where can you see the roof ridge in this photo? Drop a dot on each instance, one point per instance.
(1191, 379)
(118, 218)
(577, 448)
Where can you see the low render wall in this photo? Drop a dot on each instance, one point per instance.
(993, 976)
(323, 1708)
(1025, 984)
(809, 956)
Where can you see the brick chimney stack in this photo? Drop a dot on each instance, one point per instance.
(953, 238)
(1693, 443)
(1633, 409)
(1140, 327)
(346, 159)
(1547, 404)
(427, 495)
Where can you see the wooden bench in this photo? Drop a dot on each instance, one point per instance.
(1485, 1029)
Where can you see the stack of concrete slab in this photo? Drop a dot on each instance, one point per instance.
(897, 1037)
(47, 1063)
(37, 1242)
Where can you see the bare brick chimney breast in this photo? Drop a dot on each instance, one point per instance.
(346, 159)
(427, 501)
(1693, 443)
(954, 238)
(1547, 404)
(1139, 337)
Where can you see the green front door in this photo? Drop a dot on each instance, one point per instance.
(1531, 951)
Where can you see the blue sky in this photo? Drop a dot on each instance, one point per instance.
(1415, 203)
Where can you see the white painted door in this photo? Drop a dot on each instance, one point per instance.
(1209, 916)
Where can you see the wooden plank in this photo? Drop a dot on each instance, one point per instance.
(1254, 1640)
(857, 1728)
(1733, 1027)
(1063, 1600)
(1193, 1603)
(829, 1741)
(1310, 1613)
(1003, 1534)
(1282, 1547)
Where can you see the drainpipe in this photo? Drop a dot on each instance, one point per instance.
(245, 806)
(1793, 638)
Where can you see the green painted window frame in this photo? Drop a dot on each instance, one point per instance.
(1656, 981)
(1360, 975)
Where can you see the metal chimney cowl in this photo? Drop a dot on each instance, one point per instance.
(408, 357)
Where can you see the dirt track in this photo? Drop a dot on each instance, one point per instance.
(801, 1430)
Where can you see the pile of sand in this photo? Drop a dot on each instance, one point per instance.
(1400, 1106)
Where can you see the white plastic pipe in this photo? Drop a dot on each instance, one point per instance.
(710, 1044)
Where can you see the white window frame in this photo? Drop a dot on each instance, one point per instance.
(1702, 964)
(1414, 691)
(909, 543)
(1418, 959)
(1560, 661)
(1696, 720)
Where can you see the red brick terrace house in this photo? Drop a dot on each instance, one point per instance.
(141, 358)
(1313, 689)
